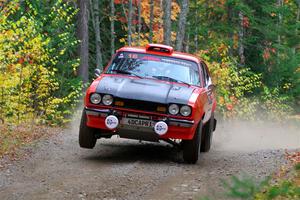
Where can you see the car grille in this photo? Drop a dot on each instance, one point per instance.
(141, 105)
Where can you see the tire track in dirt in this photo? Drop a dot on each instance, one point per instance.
(127, 169)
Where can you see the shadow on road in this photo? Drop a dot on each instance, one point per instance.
(128, 152)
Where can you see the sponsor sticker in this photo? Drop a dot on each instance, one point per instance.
(161, 128)
(111, 122)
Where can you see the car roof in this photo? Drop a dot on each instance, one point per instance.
(174, 54)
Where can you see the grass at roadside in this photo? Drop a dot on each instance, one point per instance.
(284, 185)
(13, 138)
(284, 188)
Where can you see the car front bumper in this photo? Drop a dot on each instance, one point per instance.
(177, 128)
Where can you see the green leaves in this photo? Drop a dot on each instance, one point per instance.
(37, 59)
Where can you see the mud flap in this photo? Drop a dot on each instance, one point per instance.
(215, 124)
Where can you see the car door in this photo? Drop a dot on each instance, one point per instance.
(208, 91)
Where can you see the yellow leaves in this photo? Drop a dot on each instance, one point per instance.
(62, 52)
(235, 41)
(157, 23)
(24, 77)
(232, 83)
(287, 86)
(175, 10)
(223, 50)
(123, 40)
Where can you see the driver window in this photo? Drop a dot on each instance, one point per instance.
(205, 74)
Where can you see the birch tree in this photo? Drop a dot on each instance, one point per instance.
(129, 23)
(83, 35)
(139, 22)
(151, 21)
(112, 27)
(297, 21)
(167, 5)
(241, 49)
(182, 24)
(96, 23)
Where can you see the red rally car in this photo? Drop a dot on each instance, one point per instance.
(152, 94)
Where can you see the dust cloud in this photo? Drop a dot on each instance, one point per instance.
(251, 136)
(239, 135)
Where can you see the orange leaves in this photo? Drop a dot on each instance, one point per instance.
(293, 157)
(16, 136)
(157, 23)
(268, 52)
(21, 60)
(246, 22)
(229, 107)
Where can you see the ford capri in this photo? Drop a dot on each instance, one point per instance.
(153, 94)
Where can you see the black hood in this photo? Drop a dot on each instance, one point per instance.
(144, 90)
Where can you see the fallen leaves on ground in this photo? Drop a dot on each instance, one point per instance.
(293, 157)
(13, 137)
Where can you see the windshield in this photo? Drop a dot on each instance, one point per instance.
(154, 66)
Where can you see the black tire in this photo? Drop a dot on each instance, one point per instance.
(191, 148)
(87, 137)
(206, 139)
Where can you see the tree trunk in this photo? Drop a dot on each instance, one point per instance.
(139, 22)
(151, 21)
(241, 39)
(129, 39)
(279, 4)
(196, 39)
(95, 18)
(182, 24)
(231, 32)
(83, 35)
(167, 4)
(112, 27)
(297, 20)
(186, 43)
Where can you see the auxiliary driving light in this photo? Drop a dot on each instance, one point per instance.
(161, 128)
(111, 122)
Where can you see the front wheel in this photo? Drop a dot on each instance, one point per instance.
(87, 138)
(191, 148)
(206, 139)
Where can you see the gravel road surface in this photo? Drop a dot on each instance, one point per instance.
(126, 169)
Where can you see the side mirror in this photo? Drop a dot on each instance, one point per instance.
(97, 72)
(210, 89)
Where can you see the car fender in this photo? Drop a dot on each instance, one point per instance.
(91, 90)
(197, 101)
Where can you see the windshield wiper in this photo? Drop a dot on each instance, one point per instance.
(119, 71)
(170, 79)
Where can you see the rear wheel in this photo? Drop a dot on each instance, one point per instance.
(191, 148)
(206, 138)
(87, 138)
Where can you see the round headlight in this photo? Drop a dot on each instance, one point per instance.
(173, 109)
(95, 98)
(185, 111)
(107, 100)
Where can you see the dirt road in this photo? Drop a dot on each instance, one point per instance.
(126, 169)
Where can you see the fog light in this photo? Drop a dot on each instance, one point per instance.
(111, 122)
(161, 128)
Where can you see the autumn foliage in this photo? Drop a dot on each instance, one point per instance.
(29, 65)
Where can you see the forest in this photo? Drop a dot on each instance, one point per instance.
(49, 50)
